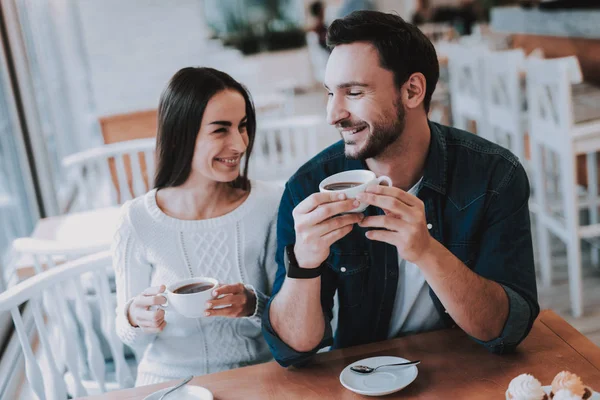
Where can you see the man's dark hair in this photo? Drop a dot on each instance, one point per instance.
(402, 47)
(316, 9)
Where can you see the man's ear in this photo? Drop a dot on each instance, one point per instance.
(414, 90)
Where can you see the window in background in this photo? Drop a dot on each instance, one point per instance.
(56, 61)
(18, 208)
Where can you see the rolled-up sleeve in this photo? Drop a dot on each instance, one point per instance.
(506, 257)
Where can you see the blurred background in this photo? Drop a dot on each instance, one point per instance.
(80, 82)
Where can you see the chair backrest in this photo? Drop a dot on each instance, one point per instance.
(503, 99)
(281, 146)
(552, 149)
(113, 173)
(54, 285)
(130, 126)
(465, 67)
(549, 102)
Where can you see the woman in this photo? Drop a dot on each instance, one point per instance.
(203, 218)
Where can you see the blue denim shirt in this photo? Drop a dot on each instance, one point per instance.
(476, 201)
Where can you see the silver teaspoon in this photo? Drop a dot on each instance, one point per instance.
(174, 388)
(363, 369)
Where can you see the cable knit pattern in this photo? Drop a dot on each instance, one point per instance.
(150, 248)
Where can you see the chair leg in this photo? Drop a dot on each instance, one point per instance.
(575, 277)
(545, 256)
(592, 173)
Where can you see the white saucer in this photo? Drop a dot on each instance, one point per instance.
(383, 381)
(188, 392)
(595, 395)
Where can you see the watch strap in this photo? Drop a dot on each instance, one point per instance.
(295, 271)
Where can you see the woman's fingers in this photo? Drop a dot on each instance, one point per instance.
(147, 301)
(151, 315)
(226, 301)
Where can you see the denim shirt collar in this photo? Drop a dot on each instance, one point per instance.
(434, 176)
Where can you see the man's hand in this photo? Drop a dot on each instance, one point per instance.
(404, 221)
(318, 226)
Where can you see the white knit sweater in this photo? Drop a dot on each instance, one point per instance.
(150, 248)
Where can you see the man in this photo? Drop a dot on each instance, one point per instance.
(448, 244)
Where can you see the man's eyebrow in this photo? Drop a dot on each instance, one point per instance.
(346, 85)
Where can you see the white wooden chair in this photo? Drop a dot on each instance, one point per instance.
(281, 146)
(46, 255)
(465, 68)
(113, 173)
(46, 378)
(503, 99)
(555, 137)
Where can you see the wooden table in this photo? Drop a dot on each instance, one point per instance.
(452, 367)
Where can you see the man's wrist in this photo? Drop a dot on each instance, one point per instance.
(294, 270)
(300, 262)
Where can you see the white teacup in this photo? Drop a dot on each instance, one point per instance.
(357, 181)
(190, 305)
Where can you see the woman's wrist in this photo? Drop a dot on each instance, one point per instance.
(251, 303)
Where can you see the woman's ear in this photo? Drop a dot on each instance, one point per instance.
(414, 90)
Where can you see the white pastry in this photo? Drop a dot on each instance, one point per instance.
(525, 387)
(565, 394)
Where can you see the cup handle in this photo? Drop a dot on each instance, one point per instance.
(385, 179)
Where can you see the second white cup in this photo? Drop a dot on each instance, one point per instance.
(189, 296)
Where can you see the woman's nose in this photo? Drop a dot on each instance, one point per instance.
(238, 142)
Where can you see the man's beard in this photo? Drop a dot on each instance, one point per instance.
(383, 134)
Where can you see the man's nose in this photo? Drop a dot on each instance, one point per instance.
(336, 110)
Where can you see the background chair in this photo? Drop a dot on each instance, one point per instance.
(99, 303)
(113, 173)
(283, 145)
(45, 377)
(557, 139)
(465, 68)
(504, 99)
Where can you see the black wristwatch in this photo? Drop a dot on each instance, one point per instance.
(294, 270)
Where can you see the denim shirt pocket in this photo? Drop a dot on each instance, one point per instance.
(351, 269)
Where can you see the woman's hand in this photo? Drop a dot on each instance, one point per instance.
(143, 312)
(236, 300)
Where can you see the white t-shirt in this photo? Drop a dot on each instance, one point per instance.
(413, 310)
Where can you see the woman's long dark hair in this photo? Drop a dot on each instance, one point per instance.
(180, 112)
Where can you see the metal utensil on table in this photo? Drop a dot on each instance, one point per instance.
(174, 388)
(364, 370)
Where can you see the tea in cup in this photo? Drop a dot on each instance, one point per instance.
(189, 296)
(351, 183)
